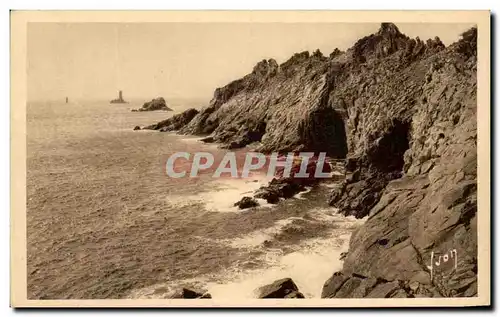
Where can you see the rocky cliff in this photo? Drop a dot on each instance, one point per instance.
(402, 112)
(413, 158)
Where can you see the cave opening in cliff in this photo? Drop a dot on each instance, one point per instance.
(340, 141)
(389, 154)
(324, 131)
(256, 134)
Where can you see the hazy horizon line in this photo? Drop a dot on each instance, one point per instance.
(69, 59)
(134, 99)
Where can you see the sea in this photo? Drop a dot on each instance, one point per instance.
(105, 221)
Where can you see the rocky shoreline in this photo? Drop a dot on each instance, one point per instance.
(401, 112)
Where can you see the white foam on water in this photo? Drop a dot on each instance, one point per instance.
(226, 192)
(256, 238)
(191, 139)
(308, 267)
(332, 185)
(331, 215)
(197, 140)
(301, 194)
(313, 262)
(231, 191)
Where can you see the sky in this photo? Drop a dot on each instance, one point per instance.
(178, 60)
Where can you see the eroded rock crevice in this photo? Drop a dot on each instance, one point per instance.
(324, 131)
(388, 155)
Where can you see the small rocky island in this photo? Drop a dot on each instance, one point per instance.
(153, 105)
(119, 99)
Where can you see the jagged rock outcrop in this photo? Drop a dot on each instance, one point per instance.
(283, 288)
(187, 293)
(175, 122)
(402, 112)
(336, 52)
(421, 235)
(281, 188)
(155, 104)
(246, 202)
(278, 105)
(303, 104)
(287, 186)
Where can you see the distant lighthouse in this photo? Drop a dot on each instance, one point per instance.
(120, 98)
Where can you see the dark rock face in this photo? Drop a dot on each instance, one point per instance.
(155, 104)
(280, 106)
(416, 180)
(186, 293)
(175, 122)
(270, 194)
(295, 294)
(287, 187)
(137, 128)
(246, 202)
(280, 188)
(324, 131)
(402, 113)
(284, 288)
(358, 286)
(312, 103)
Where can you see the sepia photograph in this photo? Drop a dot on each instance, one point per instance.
(200, 159)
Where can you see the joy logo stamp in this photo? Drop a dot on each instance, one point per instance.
(442, 261)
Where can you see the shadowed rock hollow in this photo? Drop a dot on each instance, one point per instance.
(402, 112)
